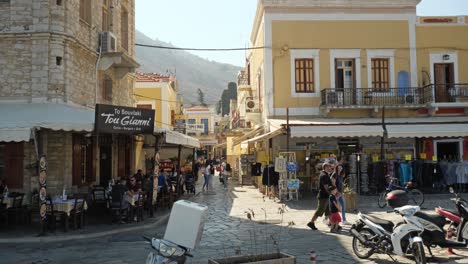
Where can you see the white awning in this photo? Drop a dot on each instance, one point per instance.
(176, 138)
(25, 116)
(250, 134)
(268, 135)
(15, 134)
(336, 131)
(432, 130)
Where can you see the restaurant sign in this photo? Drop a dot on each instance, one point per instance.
(196, 127)
(123, 120)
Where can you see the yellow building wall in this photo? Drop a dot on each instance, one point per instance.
(439, 39)
(325, 35)
(152, 93)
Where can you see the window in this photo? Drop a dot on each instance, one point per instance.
(304, 76)
(106, 88)
(145, 106)
(204, 121)
(83, 163)
(191, 121)
(106, 19)
(85, 11)
(124, 29)
(11, 164)
(380, 74)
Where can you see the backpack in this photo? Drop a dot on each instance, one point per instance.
(228, 167)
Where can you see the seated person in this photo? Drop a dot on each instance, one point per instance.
(133, 186)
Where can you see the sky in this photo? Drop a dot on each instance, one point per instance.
(228, 23)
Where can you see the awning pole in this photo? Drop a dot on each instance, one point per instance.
(382, 140)
(179, 170)
(287, 129)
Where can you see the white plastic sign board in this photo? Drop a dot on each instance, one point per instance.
(186, 223)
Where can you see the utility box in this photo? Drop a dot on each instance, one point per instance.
(186, 223)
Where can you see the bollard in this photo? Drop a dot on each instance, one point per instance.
(313, 256)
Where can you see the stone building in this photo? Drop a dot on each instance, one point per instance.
(58, 59)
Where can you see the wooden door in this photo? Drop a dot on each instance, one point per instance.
(14, 157)
(443, 79)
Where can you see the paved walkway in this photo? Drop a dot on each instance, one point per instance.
(227, 232)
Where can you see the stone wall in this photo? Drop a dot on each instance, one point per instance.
(47, 53)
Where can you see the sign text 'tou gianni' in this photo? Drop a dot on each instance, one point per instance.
(128, 120)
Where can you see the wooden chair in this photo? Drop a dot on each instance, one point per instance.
(139, 206)
(16, 210)
(98, 194)
(118, 207)
(3, 211)
(76, 213)
(54, 216)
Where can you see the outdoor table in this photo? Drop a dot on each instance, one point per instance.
(8, 201)
(132, 199)
(67, 206)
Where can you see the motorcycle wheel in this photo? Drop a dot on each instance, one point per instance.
(360, 250)
(416, 198)
(381, 202)
(418, 253)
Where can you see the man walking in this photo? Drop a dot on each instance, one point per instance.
(323, 195)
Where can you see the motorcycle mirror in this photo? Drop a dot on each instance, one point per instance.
(451, 190)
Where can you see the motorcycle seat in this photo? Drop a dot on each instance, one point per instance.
(434, 218)
(387, 225)
(452, 212)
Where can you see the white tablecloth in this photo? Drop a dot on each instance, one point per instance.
(67, 205)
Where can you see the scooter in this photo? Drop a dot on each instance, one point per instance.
(458, 220)
(166, 252)
(434, 234)
(374, 235)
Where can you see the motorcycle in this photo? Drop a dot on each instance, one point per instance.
(166, 252)
(434, 233)
(375, 235)
(458, 220)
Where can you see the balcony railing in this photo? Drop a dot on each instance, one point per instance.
(451, 93)
(243, 79)
(367, 97)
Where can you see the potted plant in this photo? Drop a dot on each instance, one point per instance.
(350, 197)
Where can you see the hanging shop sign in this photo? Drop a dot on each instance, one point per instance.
(123, 120)
(179, 123)
(195, 127)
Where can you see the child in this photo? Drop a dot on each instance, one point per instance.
(335, 208)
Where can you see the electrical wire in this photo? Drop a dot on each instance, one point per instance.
(157, 99)
(197, 49)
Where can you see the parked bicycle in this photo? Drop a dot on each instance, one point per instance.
(415, 196)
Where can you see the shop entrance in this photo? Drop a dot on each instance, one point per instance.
(448, 150)
(105, 160)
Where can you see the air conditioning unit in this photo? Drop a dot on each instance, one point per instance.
(412, 98)
(251, 105)
(334, 98)
(108, 42)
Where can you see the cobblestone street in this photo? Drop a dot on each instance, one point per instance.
(229, 232)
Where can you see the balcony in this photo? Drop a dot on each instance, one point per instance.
(455, 95)
(243, 81)
(451, 94)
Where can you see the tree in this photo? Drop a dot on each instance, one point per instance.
(224, 105)
(201, 97)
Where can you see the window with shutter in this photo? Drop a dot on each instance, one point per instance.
(380, 75)
(85, 11)
(107, 86)
(106, 20)
(304, 75)
(11, 164)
